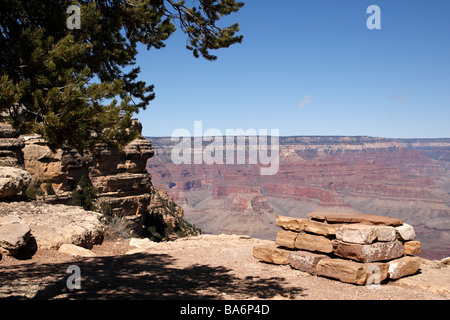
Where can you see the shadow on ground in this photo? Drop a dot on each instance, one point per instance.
(137, 276)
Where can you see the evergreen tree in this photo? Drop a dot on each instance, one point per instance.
(84, 195)
(80, 87)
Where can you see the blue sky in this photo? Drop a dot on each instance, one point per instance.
(312, 67)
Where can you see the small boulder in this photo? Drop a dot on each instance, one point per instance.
(141, 243)
(403, 267)
(14, 234)
(76, 251)
(13, 181)
(271, 254)
(412, 247)
(405, 232)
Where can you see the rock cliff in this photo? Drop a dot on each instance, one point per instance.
(119, 177)
(10, 147)
(26, 226)
(13, 178)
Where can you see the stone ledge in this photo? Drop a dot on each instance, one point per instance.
(300, 224)
(338, 217)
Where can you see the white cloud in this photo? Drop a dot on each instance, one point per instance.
(306, 100)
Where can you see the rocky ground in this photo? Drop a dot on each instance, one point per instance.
(200, 267)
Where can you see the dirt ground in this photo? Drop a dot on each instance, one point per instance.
(202, 267)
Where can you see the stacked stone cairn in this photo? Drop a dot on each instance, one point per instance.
(354, 248)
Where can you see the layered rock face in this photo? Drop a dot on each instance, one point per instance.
(14, 180)
(120, 177)
(10, 147)
(407, 179)
(26, 226)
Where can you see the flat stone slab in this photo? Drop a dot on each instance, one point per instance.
(271, 254)
(311, 242)
(378, 251)
(352, 272)
(305, 261)
(301, 224)
(286, 238)
(339, 217)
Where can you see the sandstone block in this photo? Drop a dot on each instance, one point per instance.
(412, 247)
(305, 261)
(286, 239)
(300, 224)
(378, 251)
(271, 254)
(350, 271)
(289, 223)
(356, 233)
(319, 228)
(339, 217)
(405, 232)
(364, 234)
(310, 242)
(403, 267)
(386, 233)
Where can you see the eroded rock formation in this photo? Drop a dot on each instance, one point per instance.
(120, 180)
(13, 178)
(10, 147)
(119, 177)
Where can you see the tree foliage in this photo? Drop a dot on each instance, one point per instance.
(80, 87)
(84, 194)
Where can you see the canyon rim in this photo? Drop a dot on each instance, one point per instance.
(400, 178)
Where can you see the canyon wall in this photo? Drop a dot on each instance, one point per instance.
(119, 177)
(402, 178)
